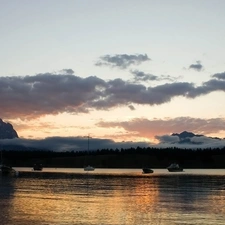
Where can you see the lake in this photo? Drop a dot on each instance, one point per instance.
(113, 197)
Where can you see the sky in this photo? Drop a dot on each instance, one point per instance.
(117, 71)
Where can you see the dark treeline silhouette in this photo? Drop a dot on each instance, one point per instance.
(119, 158)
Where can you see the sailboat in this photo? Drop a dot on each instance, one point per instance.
(174, 167)
(147, 170)
(37, 166)
(89, 168)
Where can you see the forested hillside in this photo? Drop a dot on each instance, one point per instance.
(120, 158)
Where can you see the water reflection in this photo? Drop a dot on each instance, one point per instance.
(112, 198)
(6, 196)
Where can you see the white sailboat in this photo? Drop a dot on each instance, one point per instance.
(89, 168)
(174, 167)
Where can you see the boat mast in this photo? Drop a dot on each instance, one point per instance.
(88, 142)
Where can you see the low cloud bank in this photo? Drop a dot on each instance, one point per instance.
(61, 144)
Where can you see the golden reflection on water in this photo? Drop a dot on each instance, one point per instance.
(146, 195)
(115, 200)
(93, 200)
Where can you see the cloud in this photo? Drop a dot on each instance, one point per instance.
(67, 71)
(144, 127)
(195, 142)
(198, 66)
(213, 143)
(41, 94)
(131, 107)
(167, 139)
(204, 139)
(135, 129)
(207, 87)
(61, 144)
(141, 76)
(220, 76)
(122, 61)
(34, 96)
(122, 93)
(161, 130)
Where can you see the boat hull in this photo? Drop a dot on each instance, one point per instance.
(175, 169)
(7, 171)
(147, 170)
(37, 167)
(89, 168)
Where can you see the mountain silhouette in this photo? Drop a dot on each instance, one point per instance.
(186, 137)
(186, 134)
(7, 131)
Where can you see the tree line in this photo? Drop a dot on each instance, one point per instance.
(119, 158)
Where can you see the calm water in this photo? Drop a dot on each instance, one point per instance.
(112, 197)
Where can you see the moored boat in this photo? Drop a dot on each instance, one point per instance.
(147, 170)
(89, 168)
(7, 170)
(37, 167)
(174, 167)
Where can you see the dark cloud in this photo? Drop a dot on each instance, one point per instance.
(207, 87)
(68, 71)
(167, 139)
(196, 142)
(220, 76)
(35, 96)
(142, 76)
(122, 61)
(131, 107)
(120, 93)
(198, 66)
(60, 144)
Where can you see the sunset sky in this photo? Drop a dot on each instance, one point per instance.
(121, 71)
